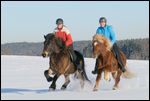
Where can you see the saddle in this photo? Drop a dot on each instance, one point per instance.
(61, 44)
(71, 56)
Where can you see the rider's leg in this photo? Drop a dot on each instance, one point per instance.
(77, 63)
(95, 71)
(117, 54)
(71, 50)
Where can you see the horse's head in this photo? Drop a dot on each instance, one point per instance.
(49, 39)
(96, 48)
(52, 44)
(100, 45)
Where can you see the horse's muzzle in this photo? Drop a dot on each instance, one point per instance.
(45, 54)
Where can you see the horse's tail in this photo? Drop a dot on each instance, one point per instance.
(128, 74)
(81, 58)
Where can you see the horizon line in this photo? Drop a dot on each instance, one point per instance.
(73, 41)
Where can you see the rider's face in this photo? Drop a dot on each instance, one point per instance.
(59, 26)
(102, 23)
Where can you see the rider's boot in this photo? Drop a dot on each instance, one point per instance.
(95, 71)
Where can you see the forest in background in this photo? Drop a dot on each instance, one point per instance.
(133, 48)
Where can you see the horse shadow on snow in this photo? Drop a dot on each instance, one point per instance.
(22, 91)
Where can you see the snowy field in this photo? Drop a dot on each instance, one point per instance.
(22, 77)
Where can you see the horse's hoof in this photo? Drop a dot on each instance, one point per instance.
(95, 89)
(115, 88)
(82, 84)
(49, 79)
(63, 88)
(94, 72)
(51, 89)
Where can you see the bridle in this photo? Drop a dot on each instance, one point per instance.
(95, 42)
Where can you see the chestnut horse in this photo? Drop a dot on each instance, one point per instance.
(107, 61)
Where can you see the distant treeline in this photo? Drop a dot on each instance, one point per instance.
(133, 48)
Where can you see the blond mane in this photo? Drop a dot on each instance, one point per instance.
(103, 40)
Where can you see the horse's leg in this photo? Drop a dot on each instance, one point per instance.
(53, 85)
(114, 75)
(117, 80)
(46, 73)
(67, 81)
(80, 76)
(82, 81)
(98, 80)
(107, 75)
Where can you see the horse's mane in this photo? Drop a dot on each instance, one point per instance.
(60, 42)
(49, 36)
(102, 40)
(57, 40)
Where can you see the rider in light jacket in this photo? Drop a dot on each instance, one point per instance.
(108, 32)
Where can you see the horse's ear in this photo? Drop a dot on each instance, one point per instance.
(44, 37)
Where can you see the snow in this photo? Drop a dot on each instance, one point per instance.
(22, 77)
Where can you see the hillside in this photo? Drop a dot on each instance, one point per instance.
(133, 48)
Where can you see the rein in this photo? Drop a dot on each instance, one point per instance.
(99, 55)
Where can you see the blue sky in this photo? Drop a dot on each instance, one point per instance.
(28, 21)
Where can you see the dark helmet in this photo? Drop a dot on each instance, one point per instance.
(59, 21)
(102, 19)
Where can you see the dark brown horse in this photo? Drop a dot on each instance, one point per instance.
(60, 61)
(107, 61)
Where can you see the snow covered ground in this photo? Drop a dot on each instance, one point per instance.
(22, 78)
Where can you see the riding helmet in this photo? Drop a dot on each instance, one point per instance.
(59, 21)
(103, 19)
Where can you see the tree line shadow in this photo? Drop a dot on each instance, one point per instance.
(21, 90)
